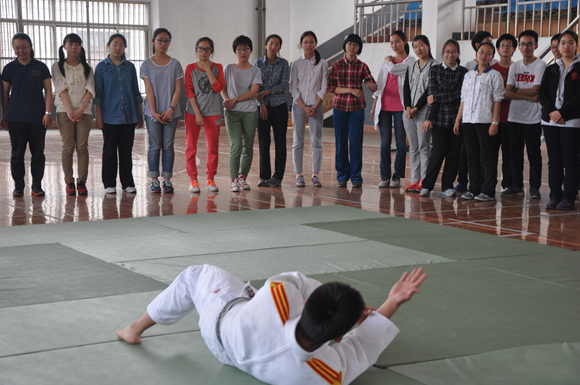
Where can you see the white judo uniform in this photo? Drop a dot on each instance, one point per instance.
(258, 335)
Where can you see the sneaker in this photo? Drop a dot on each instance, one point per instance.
(384, 183)
(113, 190)
(535, 193)
(504, 190)
(484, 198)
(167, 186)
(211, 187)
(71, 188)
(273, 182)
(82, 188)
(316, 181)
(425, 192)
(235, 185)
(419, 186)
(18, 192)
(263, 183)
(448, 193)
(342, 183)
(194, 186)
(512, 191)
(357, 185)
(468, 195)
(300, 181)
(36, 191)
(242, 182)
(565, 204)
(155, 187)
(395, 182)
(130, 190)
(460, 187)
(553, 204)
(411, 187)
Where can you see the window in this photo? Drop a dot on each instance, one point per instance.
(47, 22)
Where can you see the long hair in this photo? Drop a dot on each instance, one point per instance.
(456, 44)
(23, 36)
(403, 37)
(425, 40)
(73, 38)
(316, 53)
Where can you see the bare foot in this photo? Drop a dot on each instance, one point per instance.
(129, 336)
(132, 333)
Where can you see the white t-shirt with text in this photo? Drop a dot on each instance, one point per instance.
(525, 77)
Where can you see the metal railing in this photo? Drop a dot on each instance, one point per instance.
(374, 21)
(512, 16)
(573, 24)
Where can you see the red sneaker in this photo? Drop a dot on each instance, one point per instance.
(412, 187)
(419, 186)
(82, 188)
(71, 189)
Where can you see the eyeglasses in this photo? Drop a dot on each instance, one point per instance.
(529, 45)
(207, 49)
(21, 48)
(245, 49)
(486, 53)
(351, 44)
(163, 41)
(450, 52)
(506, 46)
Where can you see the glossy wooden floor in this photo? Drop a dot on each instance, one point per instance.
(519, 218)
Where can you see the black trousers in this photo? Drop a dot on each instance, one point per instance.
(482, 153)
(278, 120)
(506, 167)
(446, 147)
(33, 135)
(118, 138)
(563, 161)
(462, 170)
(530, 135)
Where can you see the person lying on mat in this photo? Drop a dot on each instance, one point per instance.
(280, 334)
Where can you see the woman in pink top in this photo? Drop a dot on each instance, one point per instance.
(388, 105)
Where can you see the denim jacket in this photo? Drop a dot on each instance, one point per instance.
(117, 90)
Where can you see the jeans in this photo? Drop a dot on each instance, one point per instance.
(278, 120)
(563, 161)
(161, 138)
(386, 130)
(349, 126)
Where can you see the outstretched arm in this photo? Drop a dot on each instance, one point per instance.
(402, 291)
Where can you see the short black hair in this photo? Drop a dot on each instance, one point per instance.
(353, 38)
(556, 37)
(478, 38)
(506, 36)
(330, 312)
(241, 41)
(530, 33)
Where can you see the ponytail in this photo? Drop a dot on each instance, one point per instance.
(83, 60)
(23, 36)
(317, 57)
(407, 50)
(61, 60)
(73, 38)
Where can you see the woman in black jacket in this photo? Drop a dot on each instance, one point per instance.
(559, 96)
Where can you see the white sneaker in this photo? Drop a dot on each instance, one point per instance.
(194, 186)
(110, 190)
(384, 183)
(235, 185)
(211, 187)
(448, 193)
(242, 183)
(130, 190)
(424, 192)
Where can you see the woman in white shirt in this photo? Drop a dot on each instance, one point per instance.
(308, 86)
(74, 85)
(481, 96)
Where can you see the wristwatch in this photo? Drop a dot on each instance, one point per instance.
(496, 123)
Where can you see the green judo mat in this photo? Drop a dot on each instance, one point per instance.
(493, 310)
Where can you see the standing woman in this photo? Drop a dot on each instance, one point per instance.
(162, 75)
(241, 112)
(74, 87)
(118, 112)
(481, 96)
(204, 80)
(308, 85)
(415, 103)
(27, 113)
(559, 95)
(444, 97)
(388, 105)
(273, 111)
(345, 82)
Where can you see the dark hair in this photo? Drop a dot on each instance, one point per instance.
(330, 312)
(425, 40)
(555, 37)
(157, 32)
(273, 36)
(454, 42)
(353, 38)
(489, 44)
(23, 36)
(571, 33)
(529, 33)
(242, 40)
(478, 38)
(316, 53)
(403, 37)
(73, 38)
(113, 37)
(204, 38)
(506, 36)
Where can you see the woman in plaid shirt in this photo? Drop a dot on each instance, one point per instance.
(345, 82)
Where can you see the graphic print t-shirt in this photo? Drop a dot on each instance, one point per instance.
(525, 77)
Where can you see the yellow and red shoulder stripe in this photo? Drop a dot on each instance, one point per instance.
(280, 300)
(326, 372)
